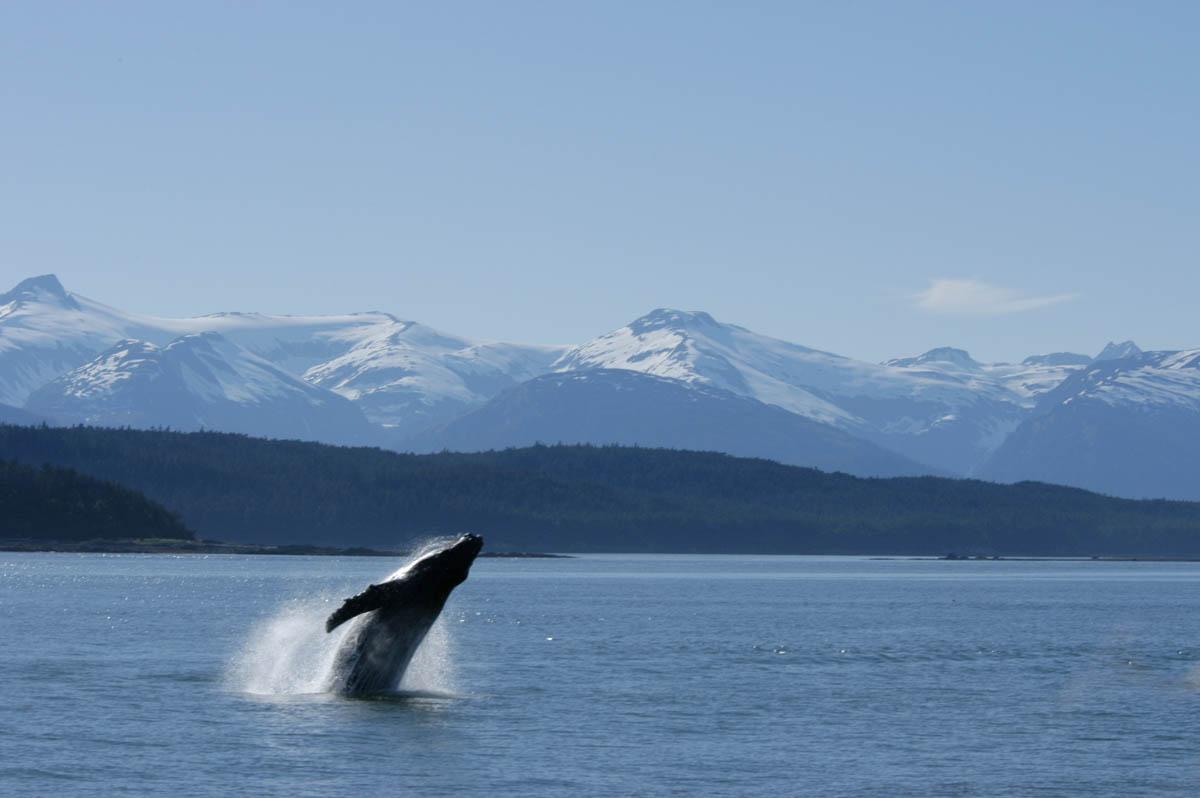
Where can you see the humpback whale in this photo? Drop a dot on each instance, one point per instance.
(374, 656)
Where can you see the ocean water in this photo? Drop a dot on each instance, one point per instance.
(607, 675)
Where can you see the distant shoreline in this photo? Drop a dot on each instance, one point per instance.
(217, 547)
(156, 546)
(1020, 558)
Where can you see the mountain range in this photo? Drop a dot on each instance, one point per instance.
(1123, 422)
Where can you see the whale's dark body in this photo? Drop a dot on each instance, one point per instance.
(376, 654)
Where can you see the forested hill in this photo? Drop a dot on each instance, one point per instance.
(578, 498)
(58, 504)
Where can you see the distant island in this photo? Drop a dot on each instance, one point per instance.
(270, 493)
(73, 507)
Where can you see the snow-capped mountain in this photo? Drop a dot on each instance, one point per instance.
(1127, 425)
(411, 377)
(603, 406)
(199, 381)
(1023, 382)
(401, 373)
(1114, 351)
(45, 331)
(941, 408)
(695, 348)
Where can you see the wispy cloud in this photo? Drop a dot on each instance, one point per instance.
(977, 298)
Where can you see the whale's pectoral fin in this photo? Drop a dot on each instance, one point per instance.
(370, 599)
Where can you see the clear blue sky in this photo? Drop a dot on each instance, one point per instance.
(548, 171)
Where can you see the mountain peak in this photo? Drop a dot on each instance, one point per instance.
(1118, 351)
(43, 288)
(207, 338)
(664, 318)
(941, 354)
(129, 345)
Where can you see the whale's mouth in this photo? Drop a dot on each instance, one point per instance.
(469, 545)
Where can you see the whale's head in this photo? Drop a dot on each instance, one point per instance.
(447, 567)
(425, 582)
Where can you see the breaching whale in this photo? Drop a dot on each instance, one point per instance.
(374, 656)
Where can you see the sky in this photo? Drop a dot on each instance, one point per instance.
(873, 179)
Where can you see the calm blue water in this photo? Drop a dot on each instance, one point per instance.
(607, 676)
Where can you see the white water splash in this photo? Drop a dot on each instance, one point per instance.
(431, 671)
(288, 653)
(291, 654)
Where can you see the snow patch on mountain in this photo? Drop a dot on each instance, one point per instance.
(409, 376)
(1144, 380)
(1057, 359)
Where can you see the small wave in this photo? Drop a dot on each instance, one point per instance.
(38, 773)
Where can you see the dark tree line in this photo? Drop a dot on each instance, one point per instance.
(584, 498)
(48, 503)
